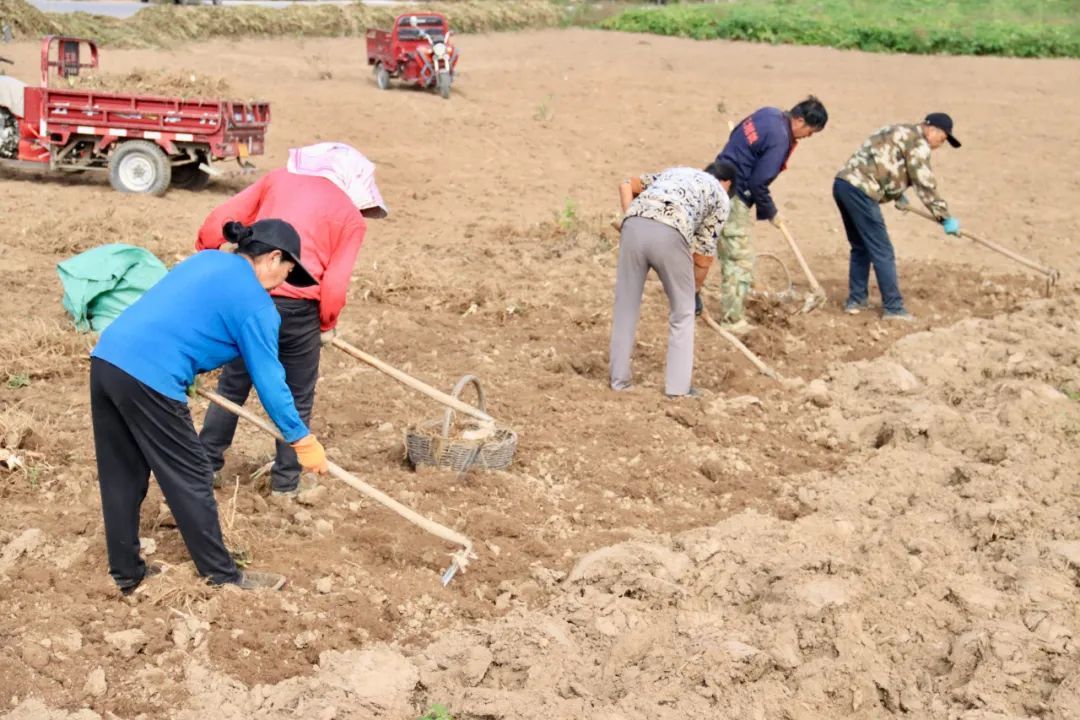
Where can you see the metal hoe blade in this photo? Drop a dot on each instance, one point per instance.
(813, 301)
(459, 560)
(450, 573)
(456, 562)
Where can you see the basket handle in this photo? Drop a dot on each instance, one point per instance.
(465, 380)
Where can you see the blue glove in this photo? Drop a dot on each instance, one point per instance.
(698, 305)
(951, 225)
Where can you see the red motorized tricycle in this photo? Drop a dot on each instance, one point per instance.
(146, 143)
(417, 50)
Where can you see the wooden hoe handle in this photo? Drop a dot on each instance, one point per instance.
(746, 352)
(1051, 274)
(406, 379)
(814, 284)
(460, 558)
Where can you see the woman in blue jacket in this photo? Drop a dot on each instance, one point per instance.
(209, 310)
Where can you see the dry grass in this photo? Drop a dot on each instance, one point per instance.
(165, 25)
(67, 235)
(238, 536)
(16, 427)
(176, 586)
(28, 457)
(26, 21)
(42, 350)
(157, 82)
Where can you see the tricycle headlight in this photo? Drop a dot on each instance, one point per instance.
(440, 49)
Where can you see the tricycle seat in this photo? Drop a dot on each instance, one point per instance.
(12, 94)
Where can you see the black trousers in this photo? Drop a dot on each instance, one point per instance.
(298, 350)
(138, 430)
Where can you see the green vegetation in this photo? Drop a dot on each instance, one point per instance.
(1019, 28)
(568, 216)
(543, 110)
(241, 556)
(18, 380)
(437, 712)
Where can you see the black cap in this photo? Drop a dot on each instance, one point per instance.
(942, 122)
(277, 234)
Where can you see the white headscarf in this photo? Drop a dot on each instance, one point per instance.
(347, 168)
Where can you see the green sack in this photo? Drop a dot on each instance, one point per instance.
(100, 284)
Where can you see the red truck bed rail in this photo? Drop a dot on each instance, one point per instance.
(61, 113)
(145, 142)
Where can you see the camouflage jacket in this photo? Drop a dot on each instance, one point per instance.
(893, 158)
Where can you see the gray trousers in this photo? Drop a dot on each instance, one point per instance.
(650, 245)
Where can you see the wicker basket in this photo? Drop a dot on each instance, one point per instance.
(429, 442)
(778, 291)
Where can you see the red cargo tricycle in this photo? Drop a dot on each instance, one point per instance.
(144, 142)
(417, 50)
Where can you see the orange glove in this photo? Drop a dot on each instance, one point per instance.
(311, 454)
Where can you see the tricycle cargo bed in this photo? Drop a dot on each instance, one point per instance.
(146, 143)
(379, 46)
(64, 112)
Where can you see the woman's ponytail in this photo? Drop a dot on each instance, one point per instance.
(238, 233)
(243, 236)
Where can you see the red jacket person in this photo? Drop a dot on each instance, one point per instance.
(325, 192)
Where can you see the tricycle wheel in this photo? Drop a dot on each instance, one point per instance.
(140, 166)
(443, 83)
(382, 77)
(190, 177)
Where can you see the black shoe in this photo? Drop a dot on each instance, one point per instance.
(151, 570)
(699, 306)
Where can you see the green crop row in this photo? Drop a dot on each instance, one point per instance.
(1018, 28)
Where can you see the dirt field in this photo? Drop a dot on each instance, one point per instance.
(898, 537)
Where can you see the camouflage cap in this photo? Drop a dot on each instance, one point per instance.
(942, 122)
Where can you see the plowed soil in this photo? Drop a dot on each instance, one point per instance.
(892, 530)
